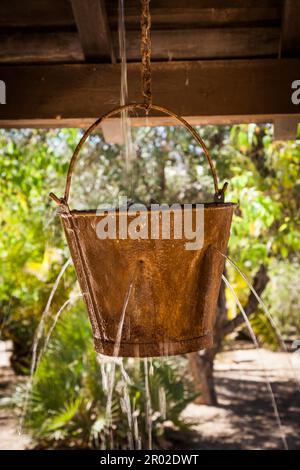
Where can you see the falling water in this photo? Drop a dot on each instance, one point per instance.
(268, 316)
(37, 337)
(51, 329)
(136, 434)
(267, 313)
(126, 408)
(41, 327)
(162, 402)
(148, 410)
(38, 360)
(111, 379)
(151, 369)
(125, 121)
(255, 342)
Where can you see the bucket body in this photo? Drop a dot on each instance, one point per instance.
(164, 294)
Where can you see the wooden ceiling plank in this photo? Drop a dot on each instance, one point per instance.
(290, 31)
(93, 28)
(166, 45)
(40, 47)
(35, 13)
(171, 13)
(211, 89)
(206, 43)
(193, 13)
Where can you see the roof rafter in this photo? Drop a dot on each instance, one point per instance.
(93, 29)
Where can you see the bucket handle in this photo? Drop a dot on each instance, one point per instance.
(219, 193)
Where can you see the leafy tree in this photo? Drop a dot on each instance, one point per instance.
(32, 248)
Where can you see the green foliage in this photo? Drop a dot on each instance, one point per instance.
(68, 399)
(32, 248)
(265, 179)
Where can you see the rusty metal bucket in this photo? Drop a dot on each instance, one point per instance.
(148, 297)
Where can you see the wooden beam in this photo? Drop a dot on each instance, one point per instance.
(40, 47)
(210, 89)
(206, 43)
(111, 133)
(181, 44)
(286, 128)
(173, 14)
(35, 13)
(170, 13)
(93, 28)
(290, 32)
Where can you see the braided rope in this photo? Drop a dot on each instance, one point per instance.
(146, 52)
(147, 105)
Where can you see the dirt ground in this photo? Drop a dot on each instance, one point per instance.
(244, 418)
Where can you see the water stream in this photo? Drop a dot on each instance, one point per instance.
(125, 120)
(268, 317)
(41, 327)
(148, 410)
(267, 380)
(40, 331)
(111, 378)
(51, 329)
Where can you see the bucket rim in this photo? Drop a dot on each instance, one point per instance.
(115, 211)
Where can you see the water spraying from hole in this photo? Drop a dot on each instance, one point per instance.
(36, 340)
(126, 407)
(255, 342)
(41, 327)
(162, 402)
(51, 329)
(137, 437)
(111, 379)
(125, 120)
(268, 316)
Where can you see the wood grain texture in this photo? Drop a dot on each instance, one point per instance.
(58, 13)
(206, 43)
(93, 28)
(40, 47)
(197, 88)
(172, 14)
(166, 45)
(290, 33)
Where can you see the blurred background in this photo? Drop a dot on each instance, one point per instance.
(215, 399)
